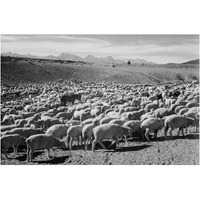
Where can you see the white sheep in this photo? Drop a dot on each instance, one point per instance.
(58, 130)
(150, 106)
(72, 133)
(177, 121)
(42, 141)
(134, 125)
(87, 132)
(108, 131)
(152, 124)
(24, 132)
(106, 120)
(162, 112)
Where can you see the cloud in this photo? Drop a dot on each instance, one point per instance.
(157, 48)
(50, 38)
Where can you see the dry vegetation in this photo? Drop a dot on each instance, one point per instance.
(16, 70)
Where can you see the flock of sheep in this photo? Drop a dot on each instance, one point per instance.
(90, 112)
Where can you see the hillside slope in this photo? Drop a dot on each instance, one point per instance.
(20, 70)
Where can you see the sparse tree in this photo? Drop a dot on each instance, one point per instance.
(129, 62)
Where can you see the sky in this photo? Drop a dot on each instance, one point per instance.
(155, 48)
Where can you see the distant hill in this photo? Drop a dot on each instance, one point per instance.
(93, 59)
(192, 62)
(9, 54)
(71, 57)
(141, 61)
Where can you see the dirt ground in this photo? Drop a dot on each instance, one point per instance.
(173, 151)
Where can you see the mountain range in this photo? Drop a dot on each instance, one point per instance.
(71, 57)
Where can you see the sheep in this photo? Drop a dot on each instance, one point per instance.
(194, 116)
(177, 121)
(24, 132)
(131, 108)
(21, 123)
(144, 103)
(72, 133)
(178, 108)
(87, 121)
(136, 102)
(87, 132)
(95, 112)
(73, 122)
(152, 124)
(168, 103)
(106, 120)
(147, 115)
(192, 104)
(118, 121)
(137, 114)
(104, 108)
(37, 124)
(13, 140)
(50, 121)
(194, 110)
(150, 106)
(112, 114)
(183, 111)
(58, 130)
(162, 112)
(134, 125)
(81, 115)
(7, 121)
(108, 131)
(174, 106)
(42, 141)
(67, 115)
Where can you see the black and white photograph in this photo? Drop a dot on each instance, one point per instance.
(100, 99)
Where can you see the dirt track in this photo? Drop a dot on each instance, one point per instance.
(174, 151)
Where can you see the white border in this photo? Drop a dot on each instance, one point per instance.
(99, 17)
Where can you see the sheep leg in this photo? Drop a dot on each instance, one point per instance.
(179, 131)
(186, 129)
(70, 143)
(15, 150)
(31, 154)
(94, 145)
(117, 143)
(27, 159)
(147, 135)
(165, 131)
(182, 131)
(5, 152)
(102, 145)
(85, 143)
(68, 139)
(81, 140)
(170, 132)
(126, 138)
(48, 153)
(155, 134)
(142, 137)
(78, 140)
